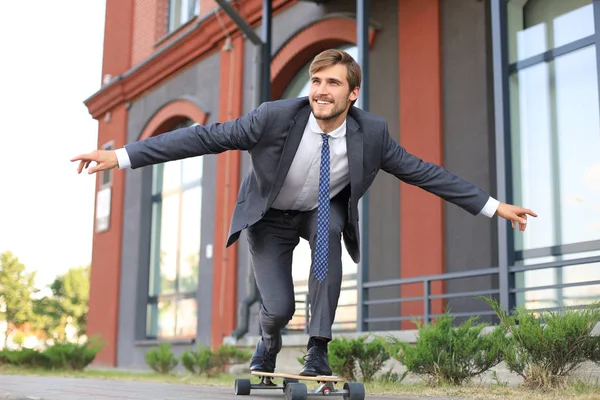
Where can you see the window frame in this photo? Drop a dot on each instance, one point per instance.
(173, 26)
(156, 199)
(509, 259)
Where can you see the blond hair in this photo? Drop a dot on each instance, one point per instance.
(332, 57)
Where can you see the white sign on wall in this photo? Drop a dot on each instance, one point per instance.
(103, 209)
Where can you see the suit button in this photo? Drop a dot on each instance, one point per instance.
(262, 213)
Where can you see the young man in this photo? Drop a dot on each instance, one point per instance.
(313, 159)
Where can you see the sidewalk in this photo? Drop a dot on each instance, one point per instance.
(14, 387)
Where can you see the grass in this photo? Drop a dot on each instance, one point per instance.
(576, 390)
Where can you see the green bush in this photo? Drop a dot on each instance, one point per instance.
(446, 354)
(342, 354)
(211, 363)
(545, 347)
(345, 355)
(371, 356)
(72, 356)
(25, 357)
(161, 359)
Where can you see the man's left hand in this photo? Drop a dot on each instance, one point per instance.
(515, 214)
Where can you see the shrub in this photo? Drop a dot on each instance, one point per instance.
(371, 356)
(25, 358)
(346, 354)
(72, 356)
(446, 354)
(544, 355)
(161, 359)
(342, 354)
(205, 361)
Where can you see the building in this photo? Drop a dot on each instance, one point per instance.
(502, 93)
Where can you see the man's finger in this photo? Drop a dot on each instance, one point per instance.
(94, 169)
(82, 157)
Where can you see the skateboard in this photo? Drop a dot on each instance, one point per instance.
(294, 390)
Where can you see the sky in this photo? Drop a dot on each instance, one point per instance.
(50, 62)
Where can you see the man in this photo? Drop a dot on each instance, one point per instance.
(313, 159)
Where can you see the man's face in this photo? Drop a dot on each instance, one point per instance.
(329, 92)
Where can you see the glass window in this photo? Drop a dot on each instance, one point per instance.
(345, 318)
(106, 176)
(555, 138)
(181, 11)
(542, 25)
(175, 248)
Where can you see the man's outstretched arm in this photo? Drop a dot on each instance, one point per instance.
(439, 181)
(240, 134)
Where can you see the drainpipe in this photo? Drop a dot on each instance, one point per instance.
(262, 93)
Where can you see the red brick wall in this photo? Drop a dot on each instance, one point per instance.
(117, 37)
(150, 26)
(149, 23)
(106, 250)
(421, 214)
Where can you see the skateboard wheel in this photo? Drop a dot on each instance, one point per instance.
(296, 391)
(287, 381)
(242, 387)
(356, 391)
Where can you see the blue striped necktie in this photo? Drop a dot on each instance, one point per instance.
(322, 243)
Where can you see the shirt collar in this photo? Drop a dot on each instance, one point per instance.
(337, 133)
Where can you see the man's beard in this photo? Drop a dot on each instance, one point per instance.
(336, 111)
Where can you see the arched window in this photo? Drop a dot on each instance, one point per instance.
(345, 319)
(175, 247)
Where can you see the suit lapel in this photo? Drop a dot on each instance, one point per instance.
(354, 147)
(292, 142)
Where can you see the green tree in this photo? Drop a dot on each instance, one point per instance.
(46, 315)
(16, 287)
(71, 292)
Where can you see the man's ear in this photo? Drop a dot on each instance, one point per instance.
(354, 94)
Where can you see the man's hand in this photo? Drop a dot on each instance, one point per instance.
(104, 159)
(515, 214)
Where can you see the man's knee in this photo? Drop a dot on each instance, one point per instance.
(277, 317)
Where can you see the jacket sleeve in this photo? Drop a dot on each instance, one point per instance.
(239, 134)
(430, 177)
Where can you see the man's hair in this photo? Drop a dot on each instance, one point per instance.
(332, 57)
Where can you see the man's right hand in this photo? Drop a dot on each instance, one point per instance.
(104, 159)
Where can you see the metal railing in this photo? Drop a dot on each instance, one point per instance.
(300, 322)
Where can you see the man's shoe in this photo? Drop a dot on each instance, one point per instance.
(317, 363)
(262, 360)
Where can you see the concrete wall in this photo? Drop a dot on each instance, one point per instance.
(199, 84)
(468, 142)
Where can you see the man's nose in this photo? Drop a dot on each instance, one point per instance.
(322, 89)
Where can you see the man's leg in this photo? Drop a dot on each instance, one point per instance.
(323, 295)
(272, 241)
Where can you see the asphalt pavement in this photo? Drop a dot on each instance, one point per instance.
(15, 387)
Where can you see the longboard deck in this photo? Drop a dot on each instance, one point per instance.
(321, 378)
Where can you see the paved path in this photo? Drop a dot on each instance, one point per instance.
(14, 387)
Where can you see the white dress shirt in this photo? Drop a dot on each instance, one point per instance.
(300, 187)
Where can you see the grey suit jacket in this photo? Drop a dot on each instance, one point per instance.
(271, 134)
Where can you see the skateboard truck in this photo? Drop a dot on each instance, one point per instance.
(294, 390)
